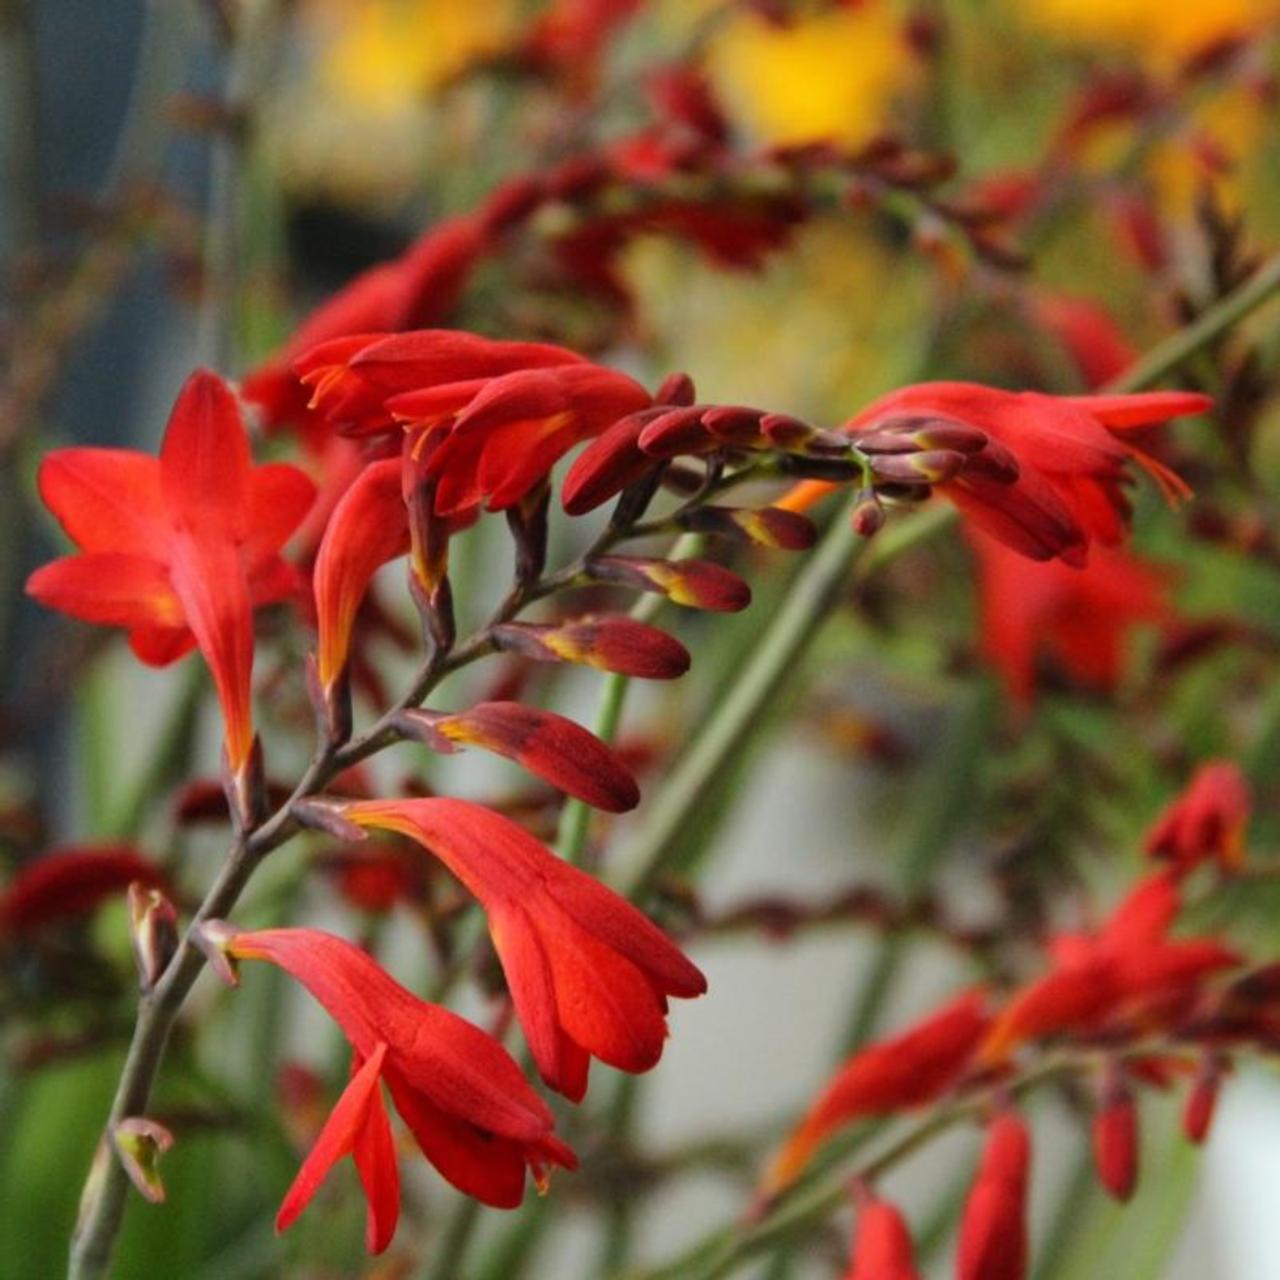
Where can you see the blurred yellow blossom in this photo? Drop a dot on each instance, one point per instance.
(828, 76)
(381, 55)
(1156, 29)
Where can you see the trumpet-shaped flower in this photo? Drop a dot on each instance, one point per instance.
(906, 1070)
(589, 974)
(1061, 461)
(457, 1089)
(178, 549)
(1207, 821)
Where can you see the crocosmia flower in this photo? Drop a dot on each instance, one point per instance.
(1052, 480)
(457, 1089)
(1207, 821)
(882, 1244)
(178, 549)
(907, 1070)
(1129, 971)
(589, 974)
(993, 1229)
(1081, 619)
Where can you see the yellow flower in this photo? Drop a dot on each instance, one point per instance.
(1157, 30)
(386, 55)
(832, 76)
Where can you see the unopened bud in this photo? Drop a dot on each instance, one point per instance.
(676, 388)
(1202, 1100)
(1115, 1135)
(153, 931)
(868, 514)
(926, 467)
(140, 1143)
(213, 939)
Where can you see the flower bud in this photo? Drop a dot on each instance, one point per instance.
(1115, 1136)
(153, 931)
(140, 1143)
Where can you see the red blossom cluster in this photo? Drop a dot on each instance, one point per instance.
(1151, 1008)
(448, 426)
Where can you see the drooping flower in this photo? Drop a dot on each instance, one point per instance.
(993, 1228)
(881, 1243)
(589, 974)
(1081, 618)
(1129, 970)
(69, 882)
(1056, 485)
(907, 1070)
(178, 549)
(457, 1089)
(1206, 822)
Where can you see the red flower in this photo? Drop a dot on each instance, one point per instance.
(1066, 489)
(907, 1070)
(993, 1229)
(1130, 969)
(1115, 1137)
(1081, 618)
(1206, 822)
(353, 376)
(179, 549)
(882, 1244)
(588, 973)
(1092, 338)
(459, 1091)
(71, 882)
(417, 288)
(369, 526)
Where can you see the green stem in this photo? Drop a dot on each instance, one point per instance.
(817, 586)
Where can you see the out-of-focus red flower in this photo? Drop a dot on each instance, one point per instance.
(571, 37)
(65, 883)
(373, 879)
(1115, 1137)
(1206, 822)
(881, 1244)
(459, 1091)
(589, 974)
(419, 287)
(1051, 481)
(1081, 618)
(178, 549)
(1089, 333)
(907, 1070)
(993, 1228)
(1129, 970)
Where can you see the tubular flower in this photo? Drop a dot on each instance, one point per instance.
(881, 1245)
(993, 1229)
(1206, 822)
(178, 549)
(589, 974)
(1130, 969)
(419, 287)
(461, 1094)
(906, 1070)
(1081, 618)
(1054, 482)
(352, 377)
(369, 526)
(71, 882)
